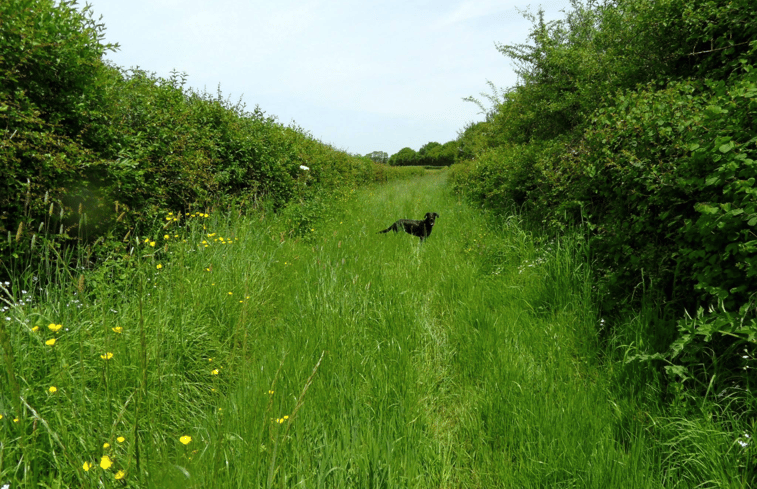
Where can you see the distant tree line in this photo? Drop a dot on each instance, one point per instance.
(430, 154)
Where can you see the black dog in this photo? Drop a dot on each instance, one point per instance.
(422, 229)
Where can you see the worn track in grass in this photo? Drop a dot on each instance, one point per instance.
(467, 361)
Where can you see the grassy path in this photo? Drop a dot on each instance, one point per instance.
(228, 353)
(468, 361)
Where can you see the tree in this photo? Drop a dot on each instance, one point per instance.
(378, 157)
(444, 155)
(404, 157)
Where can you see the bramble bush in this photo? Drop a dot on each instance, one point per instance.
(637, 120)
(666, 178)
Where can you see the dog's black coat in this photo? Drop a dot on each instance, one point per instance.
(421, 229)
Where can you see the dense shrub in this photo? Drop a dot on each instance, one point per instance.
(49, 56)
(667, 178)
(637, 120)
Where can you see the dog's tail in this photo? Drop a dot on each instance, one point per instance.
(393, 227)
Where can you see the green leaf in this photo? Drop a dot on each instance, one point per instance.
(724, 148)
(707, 209)
(677, 371)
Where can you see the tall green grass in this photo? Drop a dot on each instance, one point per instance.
(334, 357)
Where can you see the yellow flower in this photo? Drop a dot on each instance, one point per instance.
(159, 266)
(210, 359)
(118, 329)
(86, 466)
(231, 293)
(120, 439)
(36, 328)
(105, 462)
(165, 236)
(185, 439)
(152, 243)
(270, 392)
(1, 416)
(106, 445)
(52, 389)
(107, 356)
(214, 372)
(15, 420)
(50, 342)
(54, 327)
(120, 474)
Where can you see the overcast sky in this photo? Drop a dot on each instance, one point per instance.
(362, 76)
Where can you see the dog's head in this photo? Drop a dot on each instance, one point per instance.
(431, 217)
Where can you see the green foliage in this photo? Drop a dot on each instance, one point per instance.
(431, 154)
(427, 148)
(637, 120)
(500, 177)
(472, 140)
(700, 38)
(49, 56)
(404, 157)
(686, 173)
(93, 153)
(443, 155)
(666, 182)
